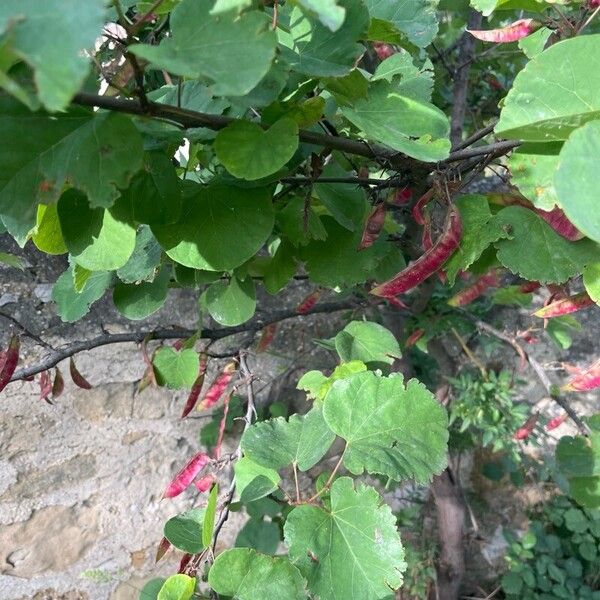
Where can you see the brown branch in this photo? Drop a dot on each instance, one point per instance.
(189, 118)
(257, 324)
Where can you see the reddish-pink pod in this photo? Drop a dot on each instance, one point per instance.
(9, 361)
(163, 548)
(556, 421)
(414, 337)
(529, 287)
(373, 226)
(430, 262)
(383, 50)
(511, 33)
(525, 431)
(557, 219)
(565, 306)
(401, 196)
(594, 3)
(266, 338)
(587, 380)
(78, 379)
(192, 399)
(419, 207)
(45, 386)
(184, 478)
(185, 560)
(308, 303)
(218, 387)
(474, 291)
(203, 484)
(59, 384)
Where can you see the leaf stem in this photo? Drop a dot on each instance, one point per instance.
(330, 479)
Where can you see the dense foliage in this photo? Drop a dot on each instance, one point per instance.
(232, 146)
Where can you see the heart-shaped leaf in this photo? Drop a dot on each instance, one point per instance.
(176, 369)
(249, 152)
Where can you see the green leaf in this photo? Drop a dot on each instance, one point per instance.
(154, 193)
(351, 550)
(575, 520)
(408, 79)
(367, 342)
(80, 277)
(576, 178)
(192, 95)
(48, 236)
(72, 305)
(138, 301)
(512, 583)
(50, 37)
(220, 228)
(249, 152)
(533, 167)
(316, 385)
(280, 269)
(416, 19)
(555, 93)
(390, 429)
(336, 261)
(244, 574)
(591, 281)
(349, 88)
(208, 526)
(327, 11)
(12, 261)
(416, 128)
(152, 588)
(185, 531)
(232, 51)
(222, 6)
(536, 251)
(276, 443)
(254, 481)
(479, 230)
(178, 587)
(263, 536)
(346, 202)
(95, 152)
(143, 262)
(291, 218)
(176, 369)
(231, 302)
(97, 238)
(312, 49)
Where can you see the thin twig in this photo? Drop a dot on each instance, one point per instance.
(330, 479)
(296, 482)
(26, 331)
(475, 137)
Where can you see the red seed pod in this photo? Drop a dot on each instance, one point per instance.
(184, 563)
(204, 483)
(397, 303)
(307, 304)
(414, 337)
(556, 421)
(266, 337)
(383, 50)
(163, 548)
(9, 361)
(401, 196)
(78, 379)
(189, 472)
(218, 387)
(529, 286)
(587, 380)
(511, 33)
(422, 202)
(430, 262)
(177, 345)
(426, 239)
(557, 219)
(473, 292)
(594, 3)
(196, 388)
(523, 432)
(59, 384)
(565, 306)
(45, 386)
(373, 227)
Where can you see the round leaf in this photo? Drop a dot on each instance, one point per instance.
(367, 342)
(231, 302)
(176, 369)
(184, 531)
(249, 152)
(137, 301)
(177, 587)
(220, 228)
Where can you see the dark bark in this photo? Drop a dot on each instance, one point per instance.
(466, 53)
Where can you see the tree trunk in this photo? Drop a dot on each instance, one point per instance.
(450, 510)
